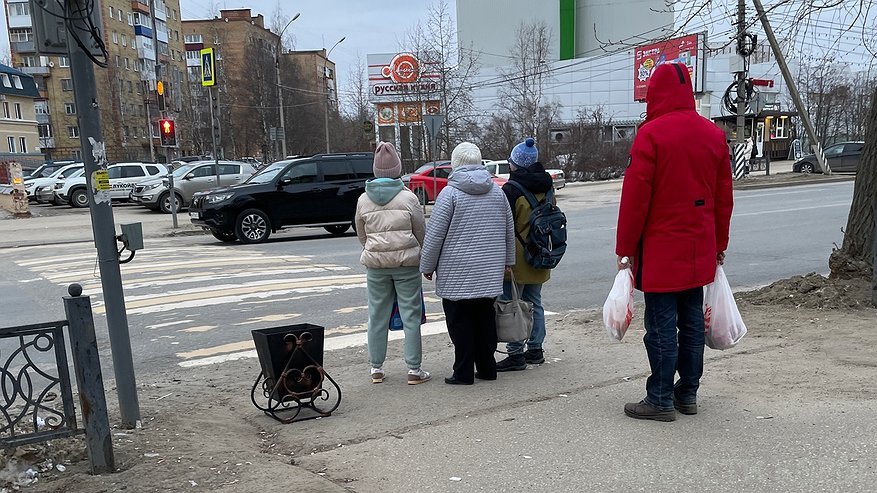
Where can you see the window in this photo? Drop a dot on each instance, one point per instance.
(20, 35)
(363, 168)
(22, 143)
(202, 171)
(124, 40)
(336, 171)
(127, 64)
(130, 19)
(19, 9)
(73, 132)
(115, 37)
(193, 38)
(18, 111)
(10, 141)
(66, 84)
(854, 147)
(16, 81)
(41, 108)
(835, 150)
(6, 82)
(28, 61)
(112, 13)
(229, 169)
(130, 87)
(152, 170)
(132, 171)
(119, 15)
(69, 171)
(63, 61)
(118, 61)
(302, 173)
(440, 173)
(6, 113)
(70, 108)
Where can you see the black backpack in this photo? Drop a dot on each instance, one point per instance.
(546, 242)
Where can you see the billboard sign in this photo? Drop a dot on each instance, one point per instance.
(401, 77)
(690, 50)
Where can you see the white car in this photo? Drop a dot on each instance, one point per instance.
(36, 187)
(502, 170)
(123, 177)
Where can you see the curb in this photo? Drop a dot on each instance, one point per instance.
(815, 181)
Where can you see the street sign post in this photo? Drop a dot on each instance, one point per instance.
(208, 66)
(208, 80)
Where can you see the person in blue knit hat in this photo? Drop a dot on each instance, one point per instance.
(528, 172)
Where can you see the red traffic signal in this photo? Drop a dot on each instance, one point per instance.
(168, 133)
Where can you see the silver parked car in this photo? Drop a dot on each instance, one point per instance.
(189, 179)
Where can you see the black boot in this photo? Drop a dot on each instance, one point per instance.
(514, 362)
(534, 356)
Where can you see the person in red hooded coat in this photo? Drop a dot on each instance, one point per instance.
(673, 227)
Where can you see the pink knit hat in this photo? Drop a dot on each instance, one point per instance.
(387, 163)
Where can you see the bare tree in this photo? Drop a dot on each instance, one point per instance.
(521, 95)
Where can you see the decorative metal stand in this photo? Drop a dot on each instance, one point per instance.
(295, 389)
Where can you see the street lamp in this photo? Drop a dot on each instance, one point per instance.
(279, 89)
(326, 76)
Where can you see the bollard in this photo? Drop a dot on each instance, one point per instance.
(86, 363)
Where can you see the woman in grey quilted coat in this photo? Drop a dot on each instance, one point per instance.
(469, 243)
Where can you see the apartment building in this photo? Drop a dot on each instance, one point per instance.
(19, 138)
(137, 34)
(246, 56)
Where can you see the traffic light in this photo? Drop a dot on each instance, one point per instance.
(168, 133)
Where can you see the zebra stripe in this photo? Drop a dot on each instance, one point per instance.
(740, 159)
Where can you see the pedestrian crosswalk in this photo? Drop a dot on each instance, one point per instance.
(201, 300)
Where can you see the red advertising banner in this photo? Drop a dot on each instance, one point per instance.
(687, 49)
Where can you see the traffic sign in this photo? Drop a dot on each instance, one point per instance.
(433, 124)
(208, 67)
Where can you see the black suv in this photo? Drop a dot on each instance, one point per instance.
(316, 191)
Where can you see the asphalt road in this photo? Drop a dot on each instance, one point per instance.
(194, 299)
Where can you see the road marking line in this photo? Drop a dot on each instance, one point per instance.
(169, 324)
(188, 263)
(270, 318)
(329, 344)
(172, 280)
(796, 209)
(152, 307)
(200, 328)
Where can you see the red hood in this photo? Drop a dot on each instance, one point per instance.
(669, 90)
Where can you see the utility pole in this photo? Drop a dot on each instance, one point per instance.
(793, 88)
(741, 75)
(326, 78)
(103, 226)
(277, 52)
(157, 79)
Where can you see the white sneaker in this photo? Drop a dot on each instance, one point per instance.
(377, 375)
(418, 376)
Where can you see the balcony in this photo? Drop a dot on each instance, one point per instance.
(47, 142)
(140, 6)
(35, 70)
(143, 31)
(162, 36)
(20, 21)
(42, 118)
(23, 47)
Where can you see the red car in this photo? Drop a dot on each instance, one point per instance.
(426, 186)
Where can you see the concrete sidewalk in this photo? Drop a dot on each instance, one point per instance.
(790, 409)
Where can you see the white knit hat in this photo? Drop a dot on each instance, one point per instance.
(465, 153)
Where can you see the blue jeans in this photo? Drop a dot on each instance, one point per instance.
(669, 353)
(533, 294)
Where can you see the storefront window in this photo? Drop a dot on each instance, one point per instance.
(387, 133)
(779, 127)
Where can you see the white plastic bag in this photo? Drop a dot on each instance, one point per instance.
(618, 309)
(723, 326)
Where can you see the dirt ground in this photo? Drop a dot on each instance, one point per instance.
(810, 340)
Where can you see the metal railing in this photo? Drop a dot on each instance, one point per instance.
(30, 386)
